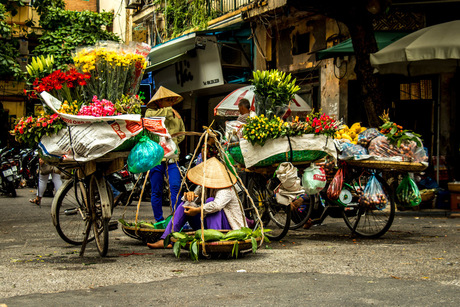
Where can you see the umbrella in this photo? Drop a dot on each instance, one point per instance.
(431, 50)
(229, 105)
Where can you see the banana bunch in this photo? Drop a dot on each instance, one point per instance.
(40, 66)
(350, 134)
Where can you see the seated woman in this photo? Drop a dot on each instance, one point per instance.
(221, 209)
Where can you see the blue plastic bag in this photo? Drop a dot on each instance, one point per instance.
(145, 155)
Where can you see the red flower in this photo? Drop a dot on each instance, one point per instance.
(44, 124)
(21, 130)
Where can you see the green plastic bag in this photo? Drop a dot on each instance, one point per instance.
(145, 155)
(407, 193)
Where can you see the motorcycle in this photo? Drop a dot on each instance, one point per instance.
(7, 176)
(28, 169)
(123, 181)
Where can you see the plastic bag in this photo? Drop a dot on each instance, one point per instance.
(349, 151)
(365, 137)
(144, 156)
(313, 179)
(407, 193)
(381, 147)
(373, 195)
(169, 148)
(334, 189)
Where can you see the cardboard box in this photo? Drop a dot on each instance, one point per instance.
(455, 201)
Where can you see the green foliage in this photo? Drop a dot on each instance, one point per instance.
(182, 15)
(66, 30)
(8, 48)
(42, 6)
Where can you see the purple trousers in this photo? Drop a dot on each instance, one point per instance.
(216, 220)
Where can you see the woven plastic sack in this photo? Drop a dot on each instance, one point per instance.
(144, 156)
(313, 179)
(407, 193)
(374, 197)
(334, 189)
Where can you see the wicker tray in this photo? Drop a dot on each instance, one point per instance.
(389, 165)
(297, 156)
(221, 246)
(145, 235)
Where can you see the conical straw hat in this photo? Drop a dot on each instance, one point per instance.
(216, 174)
(163, 93)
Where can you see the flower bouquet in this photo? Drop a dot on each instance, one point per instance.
(273, 92)
(115, 69)
(259, 129)
(29, 130)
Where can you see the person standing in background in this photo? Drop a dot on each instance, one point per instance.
(45, 171)
(161, 106)
(244, 107)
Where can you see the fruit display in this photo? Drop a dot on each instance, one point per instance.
(350, 134)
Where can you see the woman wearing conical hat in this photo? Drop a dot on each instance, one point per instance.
(221, 209)
(161, 106)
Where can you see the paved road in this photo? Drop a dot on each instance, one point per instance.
(416, 263)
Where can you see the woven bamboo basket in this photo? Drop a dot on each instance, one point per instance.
(221, 246)
(145, 235)
(389, 165)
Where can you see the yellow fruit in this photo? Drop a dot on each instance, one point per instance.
(356, 127)
(338, 136)
(352, 134)
(346, 136)
(354, 142)
(363, 129)
(345, 128)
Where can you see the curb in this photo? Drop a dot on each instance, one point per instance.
(432, 213)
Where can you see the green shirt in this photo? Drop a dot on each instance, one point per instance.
(172, 123)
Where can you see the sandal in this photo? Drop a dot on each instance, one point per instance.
(308, 224)
(35, 201)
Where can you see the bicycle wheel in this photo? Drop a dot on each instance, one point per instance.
(301, 214)
(275, 217)
(363, 220)
(100, 224)
(69, 213)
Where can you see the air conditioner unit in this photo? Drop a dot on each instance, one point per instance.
(231, 55)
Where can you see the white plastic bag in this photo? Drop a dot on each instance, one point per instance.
(169, 147)
(313, 179)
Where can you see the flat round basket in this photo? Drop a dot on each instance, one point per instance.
(389, 165)
(221, 246)
(143, 234)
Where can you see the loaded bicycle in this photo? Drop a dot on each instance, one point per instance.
(82, 207)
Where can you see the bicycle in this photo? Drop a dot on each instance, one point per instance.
(361, 219)
(82, 207)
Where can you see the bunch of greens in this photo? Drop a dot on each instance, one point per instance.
(396, 134)
(209, 235)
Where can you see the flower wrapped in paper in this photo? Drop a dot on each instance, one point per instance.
(115, 69)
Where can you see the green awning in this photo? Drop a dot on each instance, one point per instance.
(346, 47)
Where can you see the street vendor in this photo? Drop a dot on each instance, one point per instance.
(221, 209)
(161, 106)
(244, 108)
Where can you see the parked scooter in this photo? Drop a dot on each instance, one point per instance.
(123, 181)
(7, 177)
